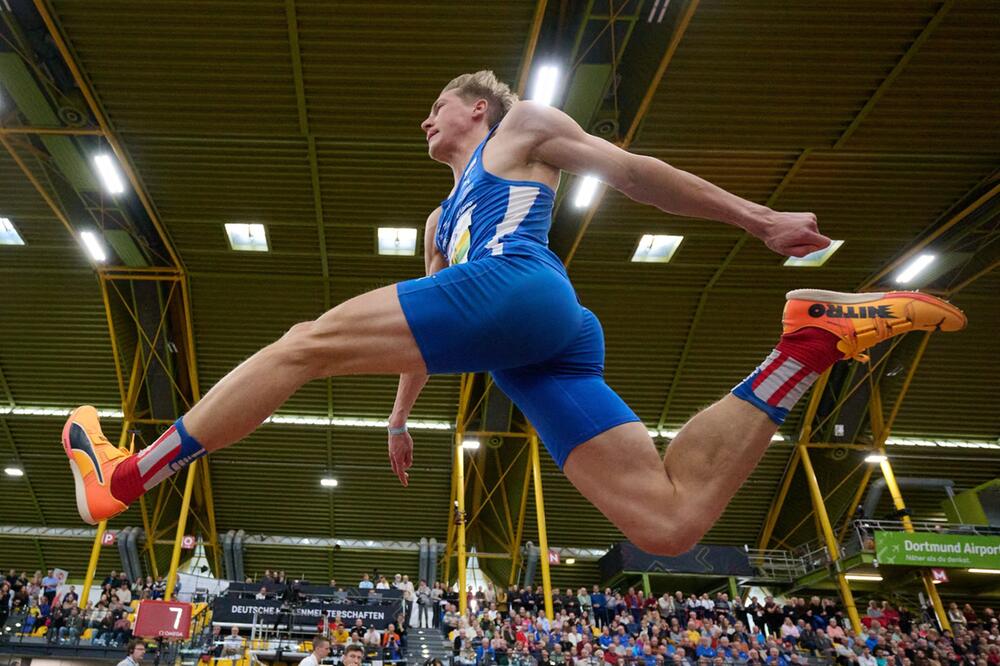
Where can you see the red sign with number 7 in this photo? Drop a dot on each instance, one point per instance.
(169, 619)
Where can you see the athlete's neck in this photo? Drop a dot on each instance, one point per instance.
(462, 153)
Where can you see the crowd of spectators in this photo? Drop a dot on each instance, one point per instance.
(509, 627)
(37, 607)
(611, 628)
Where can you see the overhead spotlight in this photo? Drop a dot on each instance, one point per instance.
(13, 471)
(94, 247)
(915, 268)
(570, 560)
(543, 90)
(471, 444)
(875, 458)
(108, 172)
(328, 482)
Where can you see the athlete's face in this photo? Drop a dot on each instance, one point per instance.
(450, 119)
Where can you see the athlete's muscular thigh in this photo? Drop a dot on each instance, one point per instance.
(367, 334)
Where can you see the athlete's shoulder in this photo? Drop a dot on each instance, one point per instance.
(531, 117)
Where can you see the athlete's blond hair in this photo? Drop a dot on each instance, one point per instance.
(484, 84)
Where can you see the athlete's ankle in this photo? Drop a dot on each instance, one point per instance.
(126, 482)
(172, 451)
(799, 359)
(813, 347)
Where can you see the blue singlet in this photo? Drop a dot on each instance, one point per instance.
(505, 305)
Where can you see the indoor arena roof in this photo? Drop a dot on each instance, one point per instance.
(303, 115)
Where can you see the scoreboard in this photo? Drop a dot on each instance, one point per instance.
(169, 619)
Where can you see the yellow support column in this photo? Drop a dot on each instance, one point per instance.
(831, 541)
(543, 538)
(897, 501)
(95, 550)
(772, 516)
(897, 497)
(175, 557)
(515, 550)
(95, 554)
(450, 543)
(460, 520)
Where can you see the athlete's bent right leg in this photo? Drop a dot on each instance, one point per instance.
(366, 334)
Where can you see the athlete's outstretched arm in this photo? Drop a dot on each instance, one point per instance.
(558, 140)
(411, 384)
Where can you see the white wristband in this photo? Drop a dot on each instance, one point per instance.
(397, 431)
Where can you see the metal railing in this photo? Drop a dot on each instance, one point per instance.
(863, 531)
(778, 566)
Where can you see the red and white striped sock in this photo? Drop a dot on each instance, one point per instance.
(172, 451)
(788, 371)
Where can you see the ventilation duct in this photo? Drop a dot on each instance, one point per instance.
(424, 557)
(227, 555)
(133, 552)
(123, 552)
(434, 550)
(238, 555)
(878, 487)
(531, 555)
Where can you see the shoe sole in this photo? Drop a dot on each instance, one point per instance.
(81, 490)
(824, 296)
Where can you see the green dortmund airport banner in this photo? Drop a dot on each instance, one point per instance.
(924, 549)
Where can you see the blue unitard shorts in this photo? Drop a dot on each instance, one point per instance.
(520, 320)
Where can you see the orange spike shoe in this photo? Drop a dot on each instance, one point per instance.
(864, 320)
(93, 460)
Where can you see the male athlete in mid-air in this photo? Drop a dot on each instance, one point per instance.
(496, 299)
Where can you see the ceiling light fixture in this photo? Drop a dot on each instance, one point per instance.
(915, 268)
(328, 482)
(471, 444)
(943, 443)
(397, 241)
(875, 458)
(108, 172)
(94, 247)
(817, 258)
(586, 191)
(655, 248)
(13, 471)
(543, 90)
(865, 577)
(245, 237)
(8, 234)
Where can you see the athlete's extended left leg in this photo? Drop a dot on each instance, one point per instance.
(666, 507)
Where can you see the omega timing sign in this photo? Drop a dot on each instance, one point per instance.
(169, 619)
(928, 549)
